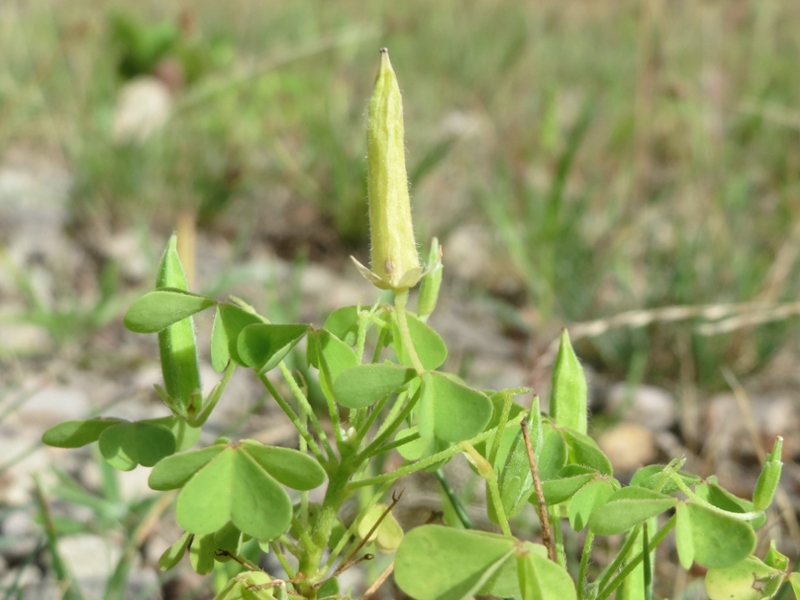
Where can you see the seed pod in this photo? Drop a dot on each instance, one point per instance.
(394, 259)
(569, 397)
(176, 343)
(770, 477)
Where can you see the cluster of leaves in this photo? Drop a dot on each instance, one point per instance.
(232, 502)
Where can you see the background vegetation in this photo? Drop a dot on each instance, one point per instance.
(598, 161)
(619, 154)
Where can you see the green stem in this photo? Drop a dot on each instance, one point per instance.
(302, 532)
(392, 445)
(379, 439)
(361, 339)
(276, 548)
(745, 516)
(584, 568)
(333, 410)
(301, 428)
(486, 471)
(657, 539)
(405, 334)
(304, 404)
(454, 501)
(390, 419)
(431, 460)
(351, 531)
(558, 537)
(364, 428)
(335, 495)
(376, 355)
(609, 571)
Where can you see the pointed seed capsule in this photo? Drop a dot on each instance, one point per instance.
(770, 477)
(569, 398)
(394, 259)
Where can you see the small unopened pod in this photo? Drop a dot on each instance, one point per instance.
(770, 477)
(394, 260)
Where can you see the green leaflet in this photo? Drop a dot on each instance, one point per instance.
(126, 445)
(711, 538)
(440, 563)
(238, 483)
(74, 434)
(749, 579)
(157, 310)
(626, 508)
(363, 385)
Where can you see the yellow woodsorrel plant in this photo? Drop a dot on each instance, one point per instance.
(232, 498)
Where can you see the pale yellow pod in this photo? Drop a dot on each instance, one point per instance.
(394, 259)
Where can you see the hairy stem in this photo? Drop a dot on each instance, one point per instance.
(405, 334)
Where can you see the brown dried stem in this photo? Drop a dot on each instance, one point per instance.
(541, 507)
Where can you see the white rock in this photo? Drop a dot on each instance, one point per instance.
(89, 556)
(25, 577)
(20, 527)
(126, 249)
(467, 253)
(25, 339)
(133, 484)
(647, 405)
(143, 108)
(628, 446)
(52, 405)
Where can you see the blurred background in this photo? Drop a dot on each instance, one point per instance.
(628, 169)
